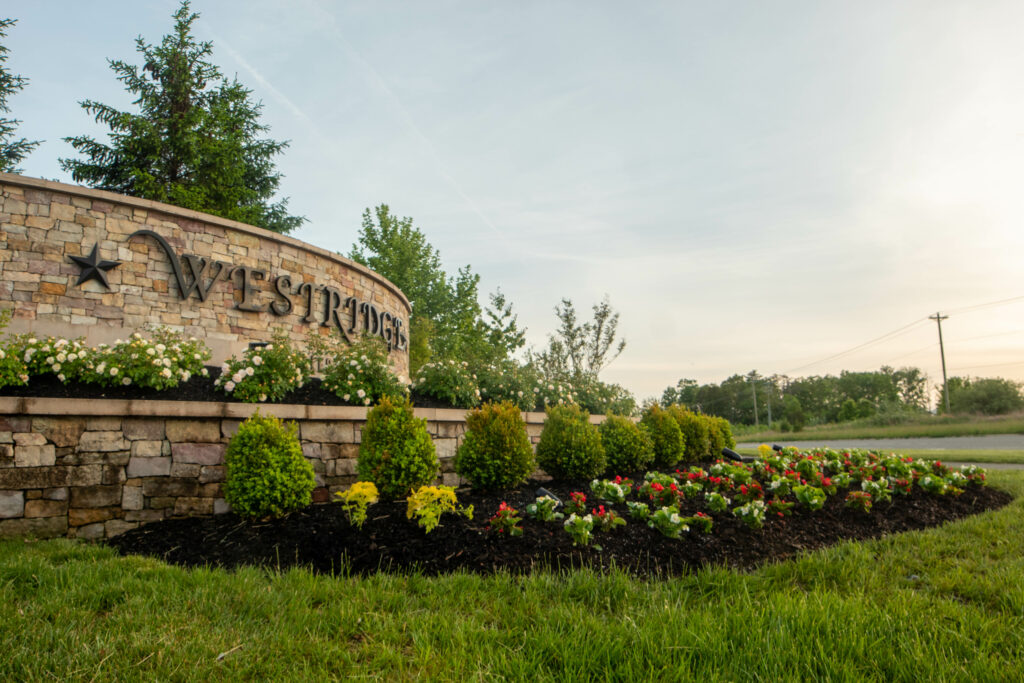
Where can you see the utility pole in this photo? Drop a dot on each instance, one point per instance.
(753, 388)
(938, 318)
(770, 392)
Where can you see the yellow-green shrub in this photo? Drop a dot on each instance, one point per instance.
(396, 453)
(627, 446)
(665, 435)
(267, 474)
(496, 451)
(570, 447)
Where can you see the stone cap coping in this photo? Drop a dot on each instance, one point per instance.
(150, 205)
(21, 406)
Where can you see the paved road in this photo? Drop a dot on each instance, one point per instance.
(993, 442)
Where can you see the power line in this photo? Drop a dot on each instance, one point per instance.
(889, 335)
(976, 307)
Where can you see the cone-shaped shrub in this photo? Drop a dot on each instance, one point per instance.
(570, 447)
(695, 433)
(396, 453)
(266, 473)
(496, 451)
(627, 446)
(665, 435)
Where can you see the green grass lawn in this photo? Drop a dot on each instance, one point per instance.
(926, 426)
(943, 604)
(945, 454)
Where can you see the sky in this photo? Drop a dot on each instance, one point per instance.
(787, 187)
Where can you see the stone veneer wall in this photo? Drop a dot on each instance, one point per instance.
(43, 224)
(95, 469)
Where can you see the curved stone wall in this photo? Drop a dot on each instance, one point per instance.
(77, 262)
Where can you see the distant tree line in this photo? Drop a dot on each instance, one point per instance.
(796, 402)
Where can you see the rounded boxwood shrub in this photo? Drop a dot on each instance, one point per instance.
(570, 447)
(496, 451)
(725, 429)
(267, 474)
(626, 445)
(695, 433)
(665, 436)
(396, 453)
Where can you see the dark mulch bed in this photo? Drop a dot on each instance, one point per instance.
(196, 389)
(321, 538)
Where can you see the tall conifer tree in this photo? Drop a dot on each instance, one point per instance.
(12, 151)
(196, 141)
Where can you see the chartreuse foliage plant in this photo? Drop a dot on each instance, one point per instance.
(396, 452)
(627, 446)
(696, 435)
(355, 501)
(570, 447)
(267, 475)
(428, 503)
(665, 434)
(265, 373)
(496, 452)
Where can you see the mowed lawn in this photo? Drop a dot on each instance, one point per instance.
(943, 604)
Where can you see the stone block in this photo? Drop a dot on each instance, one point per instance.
(161, 502)
(228, 428)
(6, 437)
(83, 516)
(116, 527)
(35, 456)
(6, 455)
(311, 450)
(104, 424)
(185, 470)
(39, 527)
(9, 423)
(113, 474)
(46, 508)
(445, 447)
(35, 477)
(29, 439)
(195, 431)
(214, 490)
(95, 496)
(212, 473)
(220, 506)
(91, 532)
(345, 468)
(85, 475)
(60, 493)
(169, 487)
(148, 467)
(327, 432)
(132, 498)
(12, 504)
(147, 448)
(193, 506)
(198, 453)
(321, 495)
(144, 515)
(144, 430)
(102, 442)
(62, 432)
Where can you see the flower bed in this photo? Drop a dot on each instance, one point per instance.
(764, 519)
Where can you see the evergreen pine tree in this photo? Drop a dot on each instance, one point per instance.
(195, 142)
(11, 151)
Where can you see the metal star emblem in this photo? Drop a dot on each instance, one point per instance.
(93, 268)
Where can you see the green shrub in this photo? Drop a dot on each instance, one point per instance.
(627, 447)
(267, 474)
(696, 436)
(396, 453)
(570, 447)
(665, 435)
(496, 451)
(725, 430)
(448, 381)
(360, 373)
